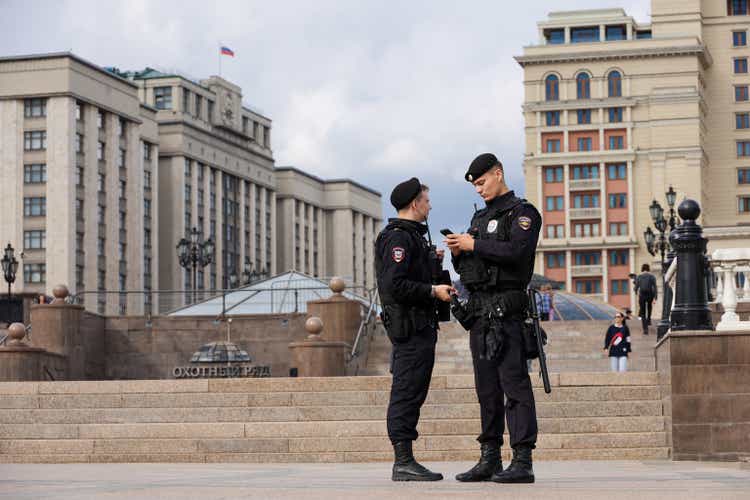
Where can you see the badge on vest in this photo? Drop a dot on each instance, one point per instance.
(524, 222)
(492, 226)
(398, 254)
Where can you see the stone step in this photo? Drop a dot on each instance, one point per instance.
(650, 453)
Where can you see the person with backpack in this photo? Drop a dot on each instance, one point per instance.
(645, 287)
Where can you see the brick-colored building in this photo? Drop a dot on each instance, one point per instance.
(615, 113)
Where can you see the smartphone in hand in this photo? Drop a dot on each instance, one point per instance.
(446, 232)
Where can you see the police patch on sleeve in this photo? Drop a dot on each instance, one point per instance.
(492, 226)
(524, 222)
(398, 254)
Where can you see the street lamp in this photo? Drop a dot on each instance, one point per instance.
(194, 253)
(250, 275)
(10, 266)
(660, 244)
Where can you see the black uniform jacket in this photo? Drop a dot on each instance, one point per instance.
(402, 264)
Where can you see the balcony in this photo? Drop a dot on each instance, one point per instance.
(584, 271)
(586, 213)
(585, 184)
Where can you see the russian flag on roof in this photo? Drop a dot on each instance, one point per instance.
(226, 51)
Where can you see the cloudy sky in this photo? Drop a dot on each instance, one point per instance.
(377, 91)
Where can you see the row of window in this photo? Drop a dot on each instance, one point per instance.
(585, 230)
(552, 118)
(615, 171)
(588, 34)
(583, 86)
(556, 260)
(585, 144)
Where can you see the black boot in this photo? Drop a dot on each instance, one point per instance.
(519, 470)
(489, 463)
(405, 468)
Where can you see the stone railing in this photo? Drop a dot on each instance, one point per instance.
(585, 213)
(728, 263)
(580, 271)
(576, 184)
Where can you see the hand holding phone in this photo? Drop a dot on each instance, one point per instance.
(446, 232)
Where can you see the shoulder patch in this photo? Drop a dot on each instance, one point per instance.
(398, 254)
(524, 222)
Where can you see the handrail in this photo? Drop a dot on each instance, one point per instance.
(363, 323)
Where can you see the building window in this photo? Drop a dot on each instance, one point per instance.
(198, 105)
(585, 171)
(643, 35)
(617, 171)
(743, 176)
(35, 206)
(147, 151)
(163, 97)
(553, 146)
(615, 115)
(553, 174)
(79, 209)
(740, 65)
(555, 231)
(553, 118)
(101, 184)
(618, 200)
(35, 140)
(583, 86)
(185, 100)
(147, 206)
(34, 273)
(616, 142)
(34, 108)
(555, 36)
(584, 116)
(739, 38)
(146, 179)
(35, 240)
(553, 203)
(123, 189)
(100, 246)
(615, 33)
(584, 144)
(552, 88)
(618, 228)
(79, 143)
(740, 93)
(121, 158)
(36, 173)
(588, 286)
(743, 204)
(100, 119)
(210, 104)
(619, 287)
(266, 137)
(588, 258)
(614, 84)
(79, 176)
(742, 120)
(618, 257)
(100, 150)
(743, 148)
(736, 7)
(589, 200)
(586, 229)
(101, 214)
(584, 35)
(79, 111)
(555, 260)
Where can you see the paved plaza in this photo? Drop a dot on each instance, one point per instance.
(579, 480)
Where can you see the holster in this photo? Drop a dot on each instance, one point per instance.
(402, 322)
(530, 345)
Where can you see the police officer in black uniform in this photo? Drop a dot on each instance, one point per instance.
(410, 317)
(495, 260)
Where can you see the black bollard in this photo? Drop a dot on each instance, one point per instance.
(690, 310)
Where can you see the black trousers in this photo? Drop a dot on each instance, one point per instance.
(411, 364)
(644, 310)
(504, 378)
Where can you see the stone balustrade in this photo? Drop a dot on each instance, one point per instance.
(728, 263)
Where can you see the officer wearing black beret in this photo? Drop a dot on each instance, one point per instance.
(409, 314)
(495, 260)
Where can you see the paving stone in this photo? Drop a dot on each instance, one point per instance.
(165, 386)
(19, 388)
(19, 401)
(46, 446)
(151, 431)
(275, 457)
(77, 401)
(38, 431)
(244, 445)
(145, 446)
(81, 387)
(57, 458)
(182, 400)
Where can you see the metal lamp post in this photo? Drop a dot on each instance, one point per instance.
(194, 253)
(250, 275)
(10, 266)
(660, 244)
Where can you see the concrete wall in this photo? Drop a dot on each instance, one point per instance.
(703, 378)
(135, 350)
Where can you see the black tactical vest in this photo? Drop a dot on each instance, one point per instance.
(479, 274)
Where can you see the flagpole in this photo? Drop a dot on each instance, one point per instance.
(219, 60)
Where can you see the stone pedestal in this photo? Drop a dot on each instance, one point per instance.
(703, 377)
(315, 357)
(341, 316)
(26, 364)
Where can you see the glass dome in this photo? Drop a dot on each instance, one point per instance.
(220, 352)
(571, 306)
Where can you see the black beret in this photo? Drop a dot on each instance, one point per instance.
(480, 165)
(404, 193)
